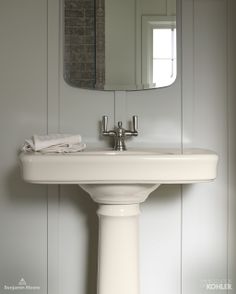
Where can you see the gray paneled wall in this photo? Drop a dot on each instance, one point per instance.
(187, 234)
(23, 111)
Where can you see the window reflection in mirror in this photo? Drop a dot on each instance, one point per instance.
(158, 51)
(164, 56)
(120, 45)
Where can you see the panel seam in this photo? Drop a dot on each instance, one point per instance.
(47, 76)
(228, 131)
(180, 9)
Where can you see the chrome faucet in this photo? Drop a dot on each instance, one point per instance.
(119, 133)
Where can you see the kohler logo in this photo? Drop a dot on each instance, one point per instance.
(217, 285)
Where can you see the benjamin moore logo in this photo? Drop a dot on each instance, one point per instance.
(22, 285)
(22, 282)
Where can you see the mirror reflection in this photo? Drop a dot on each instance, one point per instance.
(120, 44)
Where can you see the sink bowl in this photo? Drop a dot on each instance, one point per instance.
(119, 181)
(115, 167)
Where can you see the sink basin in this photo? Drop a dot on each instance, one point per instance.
(129, 167)
(119, 182)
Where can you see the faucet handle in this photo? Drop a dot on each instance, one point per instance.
(104, 123)
(134, 131)
(105, 132)
(135, 123)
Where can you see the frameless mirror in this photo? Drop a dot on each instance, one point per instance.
(120, 44)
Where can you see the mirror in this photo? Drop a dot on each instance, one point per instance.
(120, 44)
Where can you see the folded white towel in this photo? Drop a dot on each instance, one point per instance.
(59, 143)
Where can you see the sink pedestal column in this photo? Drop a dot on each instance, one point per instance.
(118, 250)
(118, 270)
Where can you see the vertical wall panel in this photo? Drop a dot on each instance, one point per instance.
(187, 52)
(232, 144)
(205, 205)
(159, 113)
(23, 108)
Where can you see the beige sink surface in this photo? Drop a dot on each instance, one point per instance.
(157, 166)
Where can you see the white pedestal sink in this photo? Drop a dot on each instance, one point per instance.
(119, 182)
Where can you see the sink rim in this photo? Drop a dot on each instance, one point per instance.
(130, 152)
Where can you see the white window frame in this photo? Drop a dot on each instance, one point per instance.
(148, 24)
